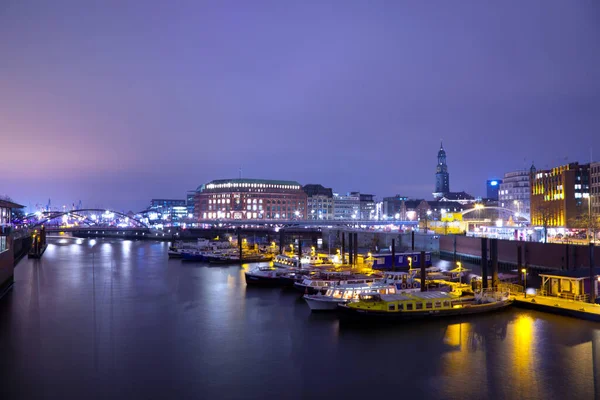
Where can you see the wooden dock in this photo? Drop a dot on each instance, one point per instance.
(556, 305)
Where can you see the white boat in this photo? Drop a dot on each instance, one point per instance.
(283, 261)
(343, 294)
(315, 261)
(392, 283)
(323, 280)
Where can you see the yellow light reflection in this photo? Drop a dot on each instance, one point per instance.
(524, 371)
(453, 335)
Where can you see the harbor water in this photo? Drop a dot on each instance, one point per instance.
(102, 318)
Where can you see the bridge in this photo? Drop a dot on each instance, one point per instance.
(499, 210)
(91, 217)
(308, 223)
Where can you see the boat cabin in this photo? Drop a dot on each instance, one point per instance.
(353, 291)
(572, 284)
(402, 260)
(418, 301)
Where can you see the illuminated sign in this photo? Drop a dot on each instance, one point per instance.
(494, 183)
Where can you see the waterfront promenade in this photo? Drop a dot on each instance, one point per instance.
(108, 318)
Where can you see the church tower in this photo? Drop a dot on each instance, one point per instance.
(442, 178)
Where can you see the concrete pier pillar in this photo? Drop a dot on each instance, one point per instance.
(592, 275)
(423, 271)
(484, 263)
(454, 248)
(350, 249)
(355, 247)
(239, 239)
(494, 254)
(281, 241)
(343, 248)
(520, 263)
(393, 254)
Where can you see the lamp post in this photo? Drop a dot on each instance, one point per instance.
(524, 271)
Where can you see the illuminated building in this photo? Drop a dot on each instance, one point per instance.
(169, 210)
(492, 188)
(394, 205)
(367, 206)
(250, 199)
(442, 177)
(346, 207)
(319, 201)
(558, 195)
(515, 191)
(595, 188)
(6, 208)
(189, 203)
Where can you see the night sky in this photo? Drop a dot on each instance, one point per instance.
(117, 102)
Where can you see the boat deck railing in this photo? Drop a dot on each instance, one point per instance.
(510, 287)
(566, 296)
(496, 293)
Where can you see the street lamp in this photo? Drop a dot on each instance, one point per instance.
(459, 265)
(524, 272)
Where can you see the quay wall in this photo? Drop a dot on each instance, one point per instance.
(376, 240)
(554, 256)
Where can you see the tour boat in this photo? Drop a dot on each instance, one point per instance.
(421, 305)
(175, 252)
(283, 261)
(265, 276)
(193, 255)
(315, 261)
(393, 282)
(235, 258)
(319, 283)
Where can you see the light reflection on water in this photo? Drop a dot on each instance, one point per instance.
(108, 315)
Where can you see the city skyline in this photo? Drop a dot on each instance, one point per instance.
(174, 98)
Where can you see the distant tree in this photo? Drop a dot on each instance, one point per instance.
(591, 223)
(544, 213)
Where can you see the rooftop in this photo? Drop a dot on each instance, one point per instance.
(579, 273)
(9, 204)
(246, 182)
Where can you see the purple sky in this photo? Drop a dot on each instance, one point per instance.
(119, 102)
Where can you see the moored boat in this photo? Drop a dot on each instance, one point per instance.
(421, 305)
(319, 283)
(265, 276)
(284, 261)
(392, 282)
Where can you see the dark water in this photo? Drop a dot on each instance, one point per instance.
(116, 319)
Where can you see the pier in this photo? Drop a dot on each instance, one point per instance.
(560, 306)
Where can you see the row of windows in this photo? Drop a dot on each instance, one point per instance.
(248, 215)
(257, 201)
(250, 185)
(419, 306)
